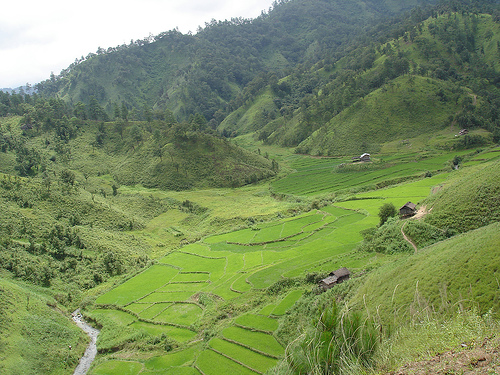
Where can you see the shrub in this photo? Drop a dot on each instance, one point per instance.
(386, 211)
(336, 341)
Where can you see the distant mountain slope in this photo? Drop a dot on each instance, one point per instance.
(440, 71)
(205, 72)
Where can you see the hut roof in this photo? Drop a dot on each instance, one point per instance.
(409, 205)
(341, 272)
(330, 280)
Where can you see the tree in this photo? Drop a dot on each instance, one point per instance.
(67, 177)
(124, 112)
(386, 211)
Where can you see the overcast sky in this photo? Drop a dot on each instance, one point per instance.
(39, 37)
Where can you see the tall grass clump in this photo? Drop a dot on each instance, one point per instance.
(336, 343)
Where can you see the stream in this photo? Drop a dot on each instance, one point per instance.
(91, 351)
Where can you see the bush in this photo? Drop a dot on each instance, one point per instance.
(336, 342)
(386, 211)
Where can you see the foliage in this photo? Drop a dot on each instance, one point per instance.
(385, 239)
(337, 340)
(386, 211)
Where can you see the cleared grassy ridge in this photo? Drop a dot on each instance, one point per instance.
(459, 272)
(468, 202)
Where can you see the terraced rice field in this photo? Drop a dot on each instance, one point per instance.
(313, 176)
(165, 297)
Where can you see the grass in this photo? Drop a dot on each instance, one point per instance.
(287, 303)
(36, 337)
(241, 354)
(262, 342)
(154, 277)
(118, 367)
(180, 313)
(175, 359)
(212, 363)
(257, 322)
(327, 180)
(166, 297)
(178, 334)
(460, 272)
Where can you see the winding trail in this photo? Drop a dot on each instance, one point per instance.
(407, 239)
(91, 351)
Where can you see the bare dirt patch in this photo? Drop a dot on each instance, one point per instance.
(475, 359)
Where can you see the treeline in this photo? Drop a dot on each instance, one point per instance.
(453, 53)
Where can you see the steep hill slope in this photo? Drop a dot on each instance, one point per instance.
(468, 202)
(35, 337)
(458, 272)
(204, 72)
(437, 72)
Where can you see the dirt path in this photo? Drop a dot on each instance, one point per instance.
(90, 353)
(422, 211)
(407, 239)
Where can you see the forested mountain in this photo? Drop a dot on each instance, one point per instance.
(205, 73)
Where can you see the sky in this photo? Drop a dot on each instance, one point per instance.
(38, 37)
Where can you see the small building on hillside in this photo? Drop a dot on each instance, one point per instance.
(335, 277)
(409, 209)
(463, 132)
(365, 157)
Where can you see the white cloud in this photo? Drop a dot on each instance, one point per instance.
(37, 37)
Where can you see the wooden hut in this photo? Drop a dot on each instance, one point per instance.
(335, 277)
(409, 209)
(365, 157)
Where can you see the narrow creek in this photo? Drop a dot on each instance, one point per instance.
(91, 351)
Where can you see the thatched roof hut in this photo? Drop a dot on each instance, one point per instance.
(335, 277)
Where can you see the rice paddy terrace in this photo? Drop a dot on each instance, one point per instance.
(168, 297)
(173, 297)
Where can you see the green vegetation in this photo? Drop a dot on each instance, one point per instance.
(460, 272)
(122, 194)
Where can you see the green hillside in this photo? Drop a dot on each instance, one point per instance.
(437, 72)
(409, 108)
(468, 202)
(457, 273)
(189, 192)
(205, 72)
(35, 336)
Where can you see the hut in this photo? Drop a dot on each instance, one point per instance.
(409, 209)
(365, 157)
(335, 277)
